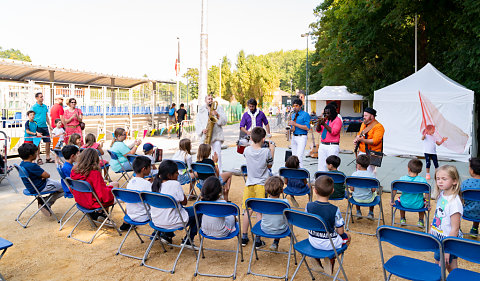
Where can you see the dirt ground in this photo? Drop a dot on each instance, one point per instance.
(41, 252)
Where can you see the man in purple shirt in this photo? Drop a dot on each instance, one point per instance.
(246, 125)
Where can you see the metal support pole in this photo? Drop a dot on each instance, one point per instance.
(154, 92)
(203, 70)
(416, 42)
(52, 87)
(130, 109)
(112, 83)
(104, 92)
(306, 81)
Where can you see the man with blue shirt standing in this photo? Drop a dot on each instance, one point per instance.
(300, 124)
(43, 126)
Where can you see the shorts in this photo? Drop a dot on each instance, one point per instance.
(253, 191)
(45, 133)
(366, 201)
(436, 256)
(202, 181)
(184, 178)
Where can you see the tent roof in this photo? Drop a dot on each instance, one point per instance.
(427, 79)
(334, 93)
(23, 71)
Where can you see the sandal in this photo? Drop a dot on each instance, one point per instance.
(49, 160)
(39, 162)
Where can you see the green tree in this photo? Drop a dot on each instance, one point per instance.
(14, 55)
(192, 80)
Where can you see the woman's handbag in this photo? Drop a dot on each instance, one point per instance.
(82, 125)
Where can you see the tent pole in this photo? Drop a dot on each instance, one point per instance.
(415, 42)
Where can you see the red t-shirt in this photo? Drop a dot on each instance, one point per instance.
(87, 200)
(55, 113)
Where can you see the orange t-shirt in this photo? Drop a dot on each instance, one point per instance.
(375, 134)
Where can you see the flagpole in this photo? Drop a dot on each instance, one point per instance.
(415, 42)
(203, 70)
(177, 68)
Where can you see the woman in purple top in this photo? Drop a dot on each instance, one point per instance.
(253, 118)
(329, 128)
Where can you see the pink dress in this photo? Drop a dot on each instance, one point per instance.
(95, 146)
(74, 122)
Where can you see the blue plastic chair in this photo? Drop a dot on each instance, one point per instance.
(63, 179)
(313, 222)
(123, 172)
(59, 154)
(203, 169)
(182, 166)
(466, 249)
(270, 207)
(361, 182)
(37, 196)
(218, 209)
(415, 188)
(300, 174)
(163, 201)
(130, 197)
(85, 187)
(407, 267)
(4, 245)
(337, 178)
(470, 196)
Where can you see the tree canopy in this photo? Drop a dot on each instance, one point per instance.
(14, 55)
(369, 44)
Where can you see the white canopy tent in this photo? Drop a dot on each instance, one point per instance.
(337, 93)
(423, 98)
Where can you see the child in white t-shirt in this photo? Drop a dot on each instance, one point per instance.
(184, 154)
(58, 131)
(141, 167)
(148, 149)
(430, 143)
(166, 183)
(448, 211)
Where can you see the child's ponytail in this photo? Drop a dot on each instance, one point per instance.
(165, 170)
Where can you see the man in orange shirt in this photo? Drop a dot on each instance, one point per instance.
(370, 135)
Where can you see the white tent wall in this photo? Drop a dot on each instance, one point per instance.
(399, 110)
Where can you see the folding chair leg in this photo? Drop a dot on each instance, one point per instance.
(13, 186)
(198, 257)
(62, 223)
(123, 241)
(21, 212)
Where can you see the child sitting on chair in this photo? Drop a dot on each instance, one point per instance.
(363, 195)
(87, 169)
(295, 185)
(39, 177)
(184, 154)
(75, 139)
(215, 226)
(274, 224)
(225, 178)
(471, 209)
(141, 167)
(148, 151)
(411, 200)
(332, 218)
(166, 182)
(333, 162)
(90, 142)
(70, 153)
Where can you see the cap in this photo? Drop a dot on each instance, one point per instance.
(58, 97)
(148, 146)
(371, 111)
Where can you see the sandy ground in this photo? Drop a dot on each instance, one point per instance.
(41, 252)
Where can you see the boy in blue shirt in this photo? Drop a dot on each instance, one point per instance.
(41, 179)
(471, 209)
(70, 153)
(411, 200)
(31, 127)
(363, 195)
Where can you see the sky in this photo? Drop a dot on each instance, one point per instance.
(133, 38)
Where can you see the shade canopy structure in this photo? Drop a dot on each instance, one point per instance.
(334, 93)
(427, 97)
(350, 105)
(11, 70)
